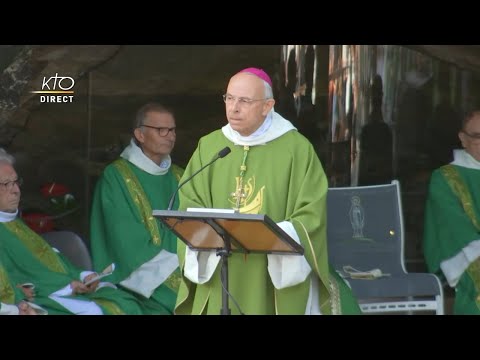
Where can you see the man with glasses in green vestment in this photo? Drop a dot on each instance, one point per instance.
(272, 170)
(122, 228)
(56, 285)
(452, 219)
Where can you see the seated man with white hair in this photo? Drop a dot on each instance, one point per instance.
(59, 286)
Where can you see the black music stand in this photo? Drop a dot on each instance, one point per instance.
(227, 233)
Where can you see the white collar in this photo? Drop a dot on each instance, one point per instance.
(273, 127)
(135, 155)
(7, 217)
(462, 158)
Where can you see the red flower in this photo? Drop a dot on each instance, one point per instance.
(38, 222)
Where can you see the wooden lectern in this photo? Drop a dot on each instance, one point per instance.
(226, 233)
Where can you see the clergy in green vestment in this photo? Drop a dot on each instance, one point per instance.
(272, 169)
(123, 230)
(59, 287)
(452, 220)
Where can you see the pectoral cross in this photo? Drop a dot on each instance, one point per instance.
(239, 194)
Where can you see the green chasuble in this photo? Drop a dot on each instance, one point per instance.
(283, 179)
(452, 221)
(28, 258)
(123, 230)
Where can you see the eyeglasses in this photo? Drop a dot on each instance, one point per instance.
(162, 131)
(229, 99)
(475, 136)
(9, 184)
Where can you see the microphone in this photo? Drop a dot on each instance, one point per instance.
(222, 153)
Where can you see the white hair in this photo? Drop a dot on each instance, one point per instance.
(268, 90)
(6, 157)
(268, 93)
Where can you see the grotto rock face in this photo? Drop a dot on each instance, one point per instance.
(110, 82)
(113, 78)
(24, 68)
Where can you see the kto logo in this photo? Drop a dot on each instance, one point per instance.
(56, 85)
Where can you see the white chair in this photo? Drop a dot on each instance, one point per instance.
(366, 246)
(71, 246)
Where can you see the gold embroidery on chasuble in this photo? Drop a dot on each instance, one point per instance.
(7, 294)
(459, 188)
(251, 200)
(473, 271)
(37, 246)
(241, 198)
(140, 199)
(174, 280)
(335, 296)
(112, 308)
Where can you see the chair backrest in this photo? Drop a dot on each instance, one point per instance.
(365, 227)
(365, 232)
(71, 246)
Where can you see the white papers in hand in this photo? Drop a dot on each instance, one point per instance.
(107, 271)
